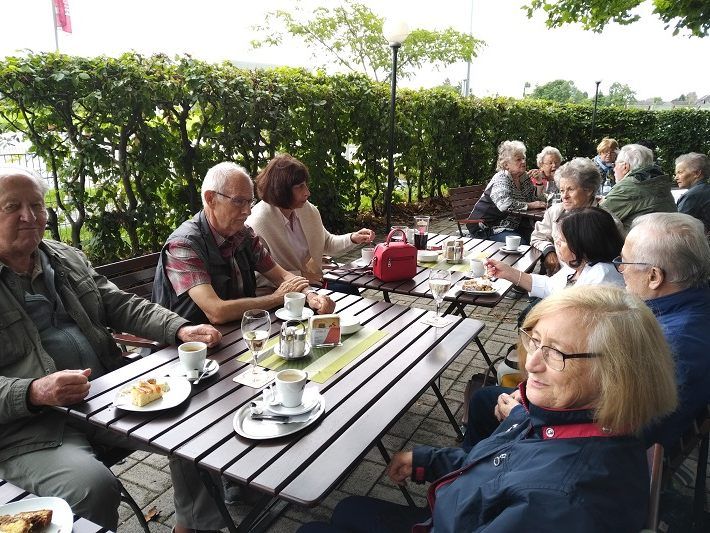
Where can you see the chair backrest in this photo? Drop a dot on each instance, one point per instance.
(463, 199)
(654, 455)
(133, 275)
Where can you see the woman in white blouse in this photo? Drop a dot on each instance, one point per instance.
(587, 241)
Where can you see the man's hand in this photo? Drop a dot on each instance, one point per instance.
(362, 236)
(292, 284)
(505, 405)
(400, 468)
(552, 264)
(202, 332)
(319, 303)
(65, 387)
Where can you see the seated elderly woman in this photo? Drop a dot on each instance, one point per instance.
(586, 243)
(607, 150)
(543, 177)
(569, 456)
(291, 226)
(692, 172)
(578, 180)
(509, 190)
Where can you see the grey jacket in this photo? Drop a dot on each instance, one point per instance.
(95, 304)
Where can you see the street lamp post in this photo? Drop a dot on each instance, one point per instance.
(594, 111)
(395, 32)
(525, 88)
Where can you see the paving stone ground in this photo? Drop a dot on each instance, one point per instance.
(147, 477)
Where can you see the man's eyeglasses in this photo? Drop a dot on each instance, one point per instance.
(555, 359)
(621, 265)
(239, 202)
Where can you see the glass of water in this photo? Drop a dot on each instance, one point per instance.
(439, 284)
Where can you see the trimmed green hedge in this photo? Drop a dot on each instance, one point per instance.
(127, 140)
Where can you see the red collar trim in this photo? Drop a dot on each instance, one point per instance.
(574, 431)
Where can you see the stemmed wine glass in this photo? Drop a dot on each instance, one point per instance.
(256, 326)
(439, 284)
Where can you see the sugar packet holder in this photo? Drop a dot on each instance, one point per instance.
(324, 330)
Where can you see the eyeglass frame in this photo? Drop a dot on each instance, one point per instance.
(546, 350)
(618, 262)
(239, 202)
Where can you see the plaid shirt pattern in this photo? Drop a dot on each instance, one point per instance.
(186, 270)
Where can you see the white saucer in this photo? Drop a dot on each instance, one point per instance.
(349, 324)
(305, 353)
(211, 366)
(311, 397)
(518, 251)
(284, 315)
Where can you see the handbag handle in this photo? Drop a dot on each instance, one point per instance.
(392, 232)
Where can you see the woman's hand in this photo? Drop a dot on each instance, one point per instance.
(537, 204)
(552, 264)
(498, 269)
(362, 236)
(536, 177)
(505, 405)
(400, 468)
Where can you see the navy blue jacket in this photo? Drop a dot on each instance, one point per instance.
(685, 320)
(541, 470)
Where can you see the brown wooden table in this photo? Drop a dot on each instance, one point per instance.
(10, 493)
(535, 214)
(419, 285)
(363, 401)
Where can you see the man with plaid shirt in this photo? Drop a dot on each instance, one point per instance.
(206, 269)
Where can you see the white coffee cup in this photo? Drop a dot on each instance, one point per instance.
(477, 268)
(293, 303)
(192, 358)
(409, 232)
(289, 386)
(512, 242)
(367, 254)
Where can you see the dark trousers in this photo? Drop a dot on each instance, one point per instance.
(482, 422)
(360, 514)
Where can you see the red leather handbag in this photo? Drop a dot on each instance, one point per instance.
(394, 260)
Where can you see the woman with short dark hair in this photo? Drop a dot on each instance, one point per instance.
(291, 226)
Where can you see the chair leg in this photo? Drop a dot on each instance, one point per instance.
(128, 499)
(700, 476)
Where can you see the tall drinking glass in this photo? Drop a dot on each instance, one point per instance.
(439, 284)
(421, 230)
(256, 326)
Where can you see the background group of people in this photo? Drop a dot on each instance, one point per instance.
(603, 368)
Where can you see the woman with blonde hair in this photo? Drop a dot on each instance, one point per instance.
(569, 456)
(607, 150)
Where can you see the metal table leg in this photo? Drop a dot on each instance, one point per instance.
(447, 412)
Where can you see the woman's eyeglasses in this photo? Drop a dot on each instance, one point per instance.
(555, 359)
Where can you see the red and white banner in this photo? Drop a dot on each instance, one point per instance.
(61, 15)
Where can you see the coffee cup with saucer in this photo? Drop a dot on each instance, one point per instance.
(272, 402)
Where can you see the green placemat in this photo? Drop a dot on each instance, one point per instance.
(322, 363)
(443, 265)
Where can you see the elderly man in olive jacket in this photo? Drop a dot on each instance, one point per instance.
(55, 311)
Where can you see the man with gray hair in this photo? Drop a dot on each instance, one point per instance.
(666, 261)
(206, 268)
(641, 187)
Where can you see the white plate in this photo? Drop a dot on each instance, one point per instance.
(427, 256)
(62, 517)
(459, 286)
(305, 353)
(177, 371)
(361, 263)
(180, 389)
(310, 400)
(267, 429)
(349, 324)
(518, 251)
(284, 315)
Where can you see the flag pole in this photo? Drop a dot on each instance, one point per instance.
(54, 20)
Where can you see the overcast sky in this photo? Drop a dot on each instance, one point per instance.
(644, 55)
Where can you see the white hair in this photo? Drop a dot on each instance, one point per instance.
(218, 176)
(635, 155)
(695, 161)
(548, 150)
(8, 171)
(581, 171)
(507, 150)
(674, 242)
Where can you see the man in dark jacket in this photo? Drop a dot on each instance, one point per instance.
(641, 187)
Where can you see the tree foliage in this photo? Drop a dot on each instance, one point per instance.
(127, 140)
(559, 91)
(692, 16)
(351, 36)
(620, 94)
